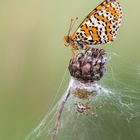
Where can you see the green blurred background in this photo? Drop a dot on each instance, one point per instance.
(33, 58)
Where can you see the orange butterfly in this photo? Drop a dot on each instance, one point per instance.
(99, 27)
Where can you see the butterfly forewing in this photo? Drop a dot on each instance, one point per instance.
(101, 25)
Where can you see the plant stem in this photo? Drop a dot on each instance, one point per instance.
(58, 117)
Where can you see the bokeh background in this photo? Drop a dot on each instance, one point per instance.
(33, 58)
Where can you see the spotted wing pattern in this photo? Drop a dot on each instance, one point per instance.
(100, 26)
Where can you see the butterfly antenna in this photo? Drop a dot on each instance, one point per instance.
(73, 20)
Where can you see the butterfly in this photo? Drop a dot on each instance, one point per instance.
(99, 27)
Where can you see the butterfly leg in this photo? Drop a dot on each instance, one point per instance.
(73, 51)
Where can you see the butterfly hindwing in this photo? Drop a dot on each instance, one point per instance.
(101, 25)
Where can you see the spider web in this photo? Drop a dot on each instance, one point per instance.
(115, 112)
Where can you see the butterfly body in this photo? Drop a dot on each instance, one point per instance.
(99, 27)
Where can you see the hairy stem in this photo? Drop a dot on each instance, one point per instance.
(58, 117)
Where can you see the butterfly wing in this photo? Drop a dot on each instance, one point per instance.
(101, 25)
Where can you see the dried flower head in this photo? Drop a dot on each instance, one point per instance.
(88, 66)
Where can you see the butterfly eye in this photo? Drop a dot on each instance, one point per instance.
(67, 39)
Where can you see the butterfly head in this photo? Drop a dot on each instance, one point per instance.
(67, 40)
